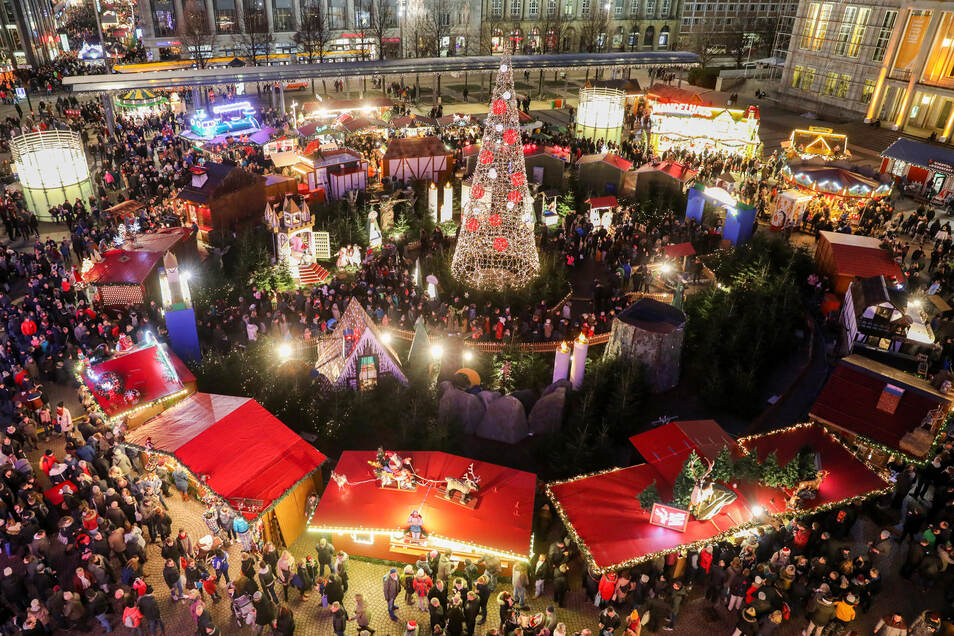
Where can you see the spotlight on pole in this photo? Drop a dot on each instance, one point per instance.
(468, 356)
(437, 352)
(386, 337)
(284, 351)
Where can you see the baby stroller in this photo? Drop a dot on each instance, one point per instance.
(243, 610)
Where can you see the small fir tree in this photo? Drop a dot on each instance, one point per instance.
(747, 468)
(722, 467)
(685, 481)
(791, 474)
(772, 474)
(649, 496)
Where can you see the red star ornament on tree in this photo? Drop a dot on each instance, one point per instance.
(515, 196)
(486, 157)
(494, 220)
(511, 136)
(500, 243)
(472, 224)
(499, 107)
(518, 179)
(477, 192)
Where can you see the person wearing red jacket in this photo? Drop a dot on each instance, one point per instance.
(705, 559)
(607, 587)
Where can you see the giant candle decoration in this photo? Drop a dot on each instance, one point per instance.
(447, 210)
(580, 346)
(432, 201)
(561, 362)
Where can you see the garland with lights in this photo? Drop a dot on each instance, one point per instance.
(768, 518)
(496, 248)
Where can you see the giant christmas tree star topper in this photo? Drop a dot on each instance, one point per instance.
(495, 247)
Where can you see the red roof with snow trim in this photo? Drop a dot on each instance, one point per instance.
(603, 202)
(610, 158)
(670, 168)
(667, 93)
(850, 401)
(243, 451)
(143, 369)
(502, 519)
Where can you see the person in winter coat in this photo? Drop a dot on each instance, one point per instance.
(339, 619)
(422, 585)
(437, 616)
(284, 625)
(820, 614)
(891, 625)
(264, 611)
(505, 606)
(560, 585)
(360, 616)
(520, 583)
(392, 587)
(747, 625)
(407, 583)
(927, 624)
(325, 551)
(455, 618)
(539, 572)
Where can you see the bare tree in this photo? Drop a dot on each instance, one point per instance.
(256, 41)
(705, 42)
(553, 26)
(435, 25)
(197, 36)
(313, 33)
(381, 19)
(595, 24)
(489, 27)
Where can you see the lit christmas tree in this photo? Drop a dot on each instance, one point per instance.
(495, 247)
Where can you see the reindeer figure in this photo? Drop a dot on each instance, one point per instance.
(702, 490)
(467, 485)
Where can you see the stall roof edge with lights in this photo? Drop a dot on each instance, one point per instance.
(470, 507)
(243, 455)
(604, 516)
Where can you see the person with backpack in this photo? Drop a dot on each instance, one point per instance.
(132, 618)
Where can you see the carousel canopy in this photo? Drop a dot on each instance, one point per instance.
(138, 97)
(833, 180)
(243, 452)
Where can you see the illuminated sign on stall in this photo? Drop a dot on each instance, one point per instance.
(226, 119)
(697, 128)
(669, 517)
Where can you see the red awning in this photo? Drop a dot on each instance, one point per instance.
(502, 520)
(678, 250)
(243, 451)
(602, 202)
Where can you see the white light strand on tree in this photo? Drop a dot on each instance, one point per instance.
(495, 247)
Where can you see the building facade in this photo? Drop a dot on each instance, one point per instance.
(836, 52)
(414, 26)
(914, 87)
(746, 29)
(554, 26)
(28, 32)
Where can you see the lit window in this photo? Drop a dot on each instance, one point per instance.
(551, 8)
(851, 31)
(368, 375)
(533, 8)
(867, 91)
(665, 8)
(618, 8)
(664, 36)
(496, 8)
(634, 8)
(797, 77)
(843, 84)
(815, 26)
(884, 34)
(516, 8)
(650, 9)
(808, 79)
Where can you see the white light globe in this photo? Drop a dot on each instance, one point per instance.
(503, 68)
(506, 95)
(499, 127)
(509, 205)
(492, 173)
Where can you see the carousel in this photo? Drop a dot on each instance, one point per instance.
(140, 102)
(842, 191)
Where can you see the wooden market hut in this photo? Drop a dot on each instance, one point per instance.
(242, 453)
(663, 175)
(607, 174)
(220, 196)
(363, 518)
(603, 514)
(152, 370)
(848, 257)
(417, 159)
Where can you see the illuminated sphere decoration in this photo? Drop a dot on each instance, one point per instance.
(51, 167)
(600, 115)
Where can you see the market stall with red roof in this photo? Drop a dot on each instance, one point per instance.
(363, 517)
(135, 384)
(241, 454)
(604, 516)
(846, 257)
